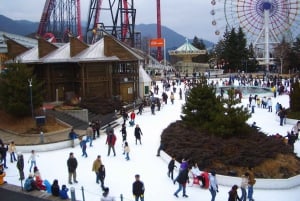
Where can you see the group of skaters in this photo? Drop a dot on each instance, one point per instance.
(34, 180)
(208, 180)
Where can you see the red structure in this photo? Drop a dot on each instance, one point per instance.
(59, 19)
(158, 29)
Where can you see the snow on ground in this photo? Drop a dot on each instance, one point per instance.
(143, 160)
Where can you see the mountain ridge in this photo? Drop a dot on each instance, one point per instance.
(148, 31)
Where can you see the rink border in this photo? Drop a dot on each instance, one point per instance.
(265, 184)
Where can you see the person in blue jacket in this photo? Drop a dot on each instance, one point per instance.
(63, 193)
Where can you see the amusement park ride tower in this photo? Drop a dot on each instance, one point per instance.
(62, 18)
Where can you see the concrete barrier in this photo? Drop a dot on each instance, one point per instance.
(270, 184)
(46, 147)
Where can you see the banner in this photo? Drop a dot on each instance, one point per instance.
(157, 42)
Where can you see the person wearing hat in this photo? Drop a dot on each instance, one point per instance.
(138, 188)
(106, 196)
(213, 185)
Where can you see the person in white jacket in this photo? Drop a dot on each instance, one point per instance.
(213, 185)
(244, 186)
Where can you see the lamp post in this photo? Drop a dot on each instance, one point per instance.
(30, 89)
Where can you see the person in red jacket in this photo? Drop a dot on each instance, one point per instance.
(132, 118)
(110, 141)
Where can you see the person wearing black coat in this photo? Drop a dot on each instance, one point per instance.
(171, 167)
(182, 179)
(20, 166)
(233, 195)
(138, 188)
(101, 175)
(137, 134)
(72, 166)
(55, 188)
(3, 151)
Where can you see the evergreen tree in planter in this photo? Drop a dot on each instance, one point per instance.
(294, 101)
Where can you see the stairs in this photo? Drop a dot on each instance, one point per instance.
(74, 122)
(79, 124)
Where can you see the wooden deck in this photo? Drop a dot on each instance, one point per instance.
(20, 195)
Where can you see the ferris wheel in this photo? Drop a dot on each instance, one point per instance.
(265, 22)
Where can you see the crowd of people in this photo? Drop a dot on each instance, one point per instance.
(206, 179)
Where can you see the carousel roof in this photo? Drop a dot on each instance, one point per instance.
(187, 49)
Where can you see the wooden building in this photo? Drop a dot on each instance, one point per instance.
(107, 69)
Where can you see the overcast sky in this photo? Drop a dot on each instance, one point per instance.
(188, 17)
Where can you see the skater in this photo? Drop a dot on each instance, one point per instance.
(172, 98)
(12, 151)
(160, 148)
(137, 134)
(82, 144)
(251, 182)
(72, 136)
(213, 185)
(182, 179)
(32, 159)
(110, 141)
(89, 134)
(171, 167)
(125, 116)
(72, 166)
(3, 151)
(141, 107)
(138, 188)
(180, 93)
(124, 133)
(97, 128)
(233, 195)
(96, 165)
(20, 166)
(101, 174)
(132, 116)
(152, 108)
(244, 185)
(126, 151)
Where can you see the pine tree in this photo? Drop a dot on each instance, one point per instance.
(15, 91)
(295, 97)
(207, 112)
